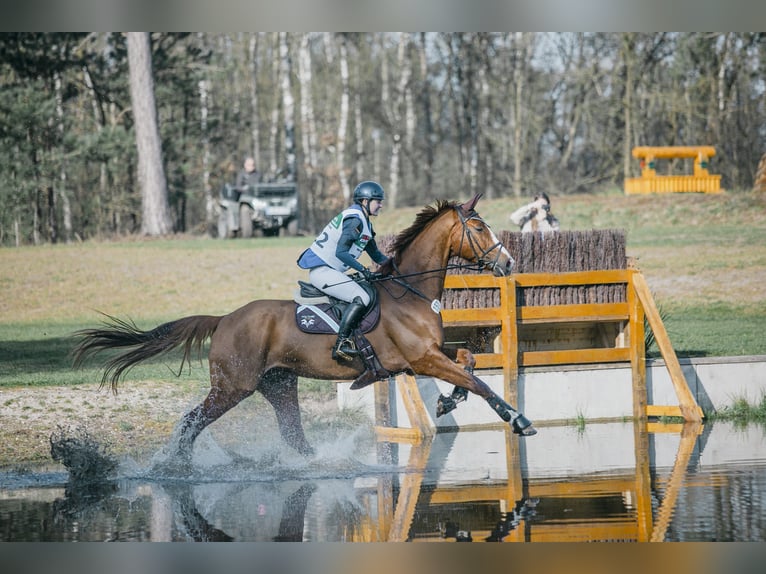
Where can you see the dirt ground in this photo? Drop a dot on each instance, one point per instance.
(136, 422)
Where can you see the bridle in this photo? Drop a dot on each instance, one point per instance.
(466, 235)
(478, 253)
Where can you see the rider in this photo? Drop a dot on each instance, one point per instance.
(336, 250)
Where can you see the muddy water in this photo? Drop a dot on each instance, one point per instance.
(602, 483)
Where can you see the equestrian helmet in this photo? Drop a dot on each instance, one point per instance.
(369, 190)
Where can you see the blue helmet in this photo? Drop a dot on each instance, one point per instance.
(369, 190)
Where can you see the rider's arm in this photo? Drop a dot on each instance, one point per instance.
(375, 253)
(352, 229)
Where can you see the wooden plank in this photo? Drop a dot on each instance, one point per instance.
(479, 317)
(691, 411)
(483, 281)
(572, 278)
(605, 312)
(663, 411)
(574, 357)
(673, 151)
(413, 404)
(396, 434)
(489, 360)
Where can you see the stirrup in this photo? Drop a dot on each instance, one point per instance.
(347, 354)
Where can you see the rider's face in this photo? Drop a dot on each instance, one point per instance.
(374, 206)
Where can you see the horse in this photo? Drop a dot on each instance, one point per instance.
(259, 346)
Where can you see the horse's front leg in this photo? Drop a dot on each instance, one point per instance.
(448, 403)
(437, 364)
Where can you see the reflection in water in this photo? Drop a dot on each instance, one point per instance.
(686, 483)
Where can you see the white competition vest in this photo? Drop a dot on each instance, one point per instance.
(326, 242)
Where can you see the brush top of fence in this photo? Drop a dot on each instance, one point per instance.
(549, 252)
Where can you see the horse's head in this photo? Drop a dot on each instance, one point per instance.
(477, 242)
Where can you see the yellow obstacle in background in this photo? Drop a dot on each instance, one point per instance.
(701, 181)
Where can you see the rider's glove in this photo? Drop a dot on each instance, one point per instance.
(369, 275)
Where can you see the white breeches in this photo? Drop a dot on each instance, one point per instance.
(337, 284)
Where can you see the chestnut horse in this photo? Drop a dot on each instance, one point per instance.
(259, 346)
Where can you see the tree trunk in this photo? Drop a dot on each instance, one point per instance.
(340, 142)
(397, 119)
(359, 168)
(308, 136)
(425, 96)
(518, 109)
(628, 47)
(288, 105)
(155, 216)
(255, 123)
(274, 131)
(210, 206)
(66, 208)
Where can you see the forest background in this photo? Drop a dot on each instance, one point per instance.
(429, 115)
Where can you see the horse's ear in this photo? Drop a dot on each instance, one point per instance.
(469, 206)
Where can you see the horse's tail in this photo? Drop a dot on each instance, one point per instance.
(118, 333)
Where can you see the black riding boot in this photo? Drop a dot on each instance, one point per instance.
(344, 349)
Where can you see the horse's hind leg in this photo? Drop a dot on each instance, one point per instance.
(280, 388)
(217, 402)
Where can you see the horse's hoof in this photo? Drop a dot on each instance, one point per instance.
(445, 404)
(528, 431)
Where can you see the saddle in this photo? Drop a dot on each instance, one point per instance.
(318, 313)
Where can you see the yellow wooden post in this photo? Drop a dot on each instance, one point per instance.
(689, 408)
(510, 339)
(637, 350)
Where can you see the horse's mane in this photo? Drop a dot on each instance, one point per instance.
(405, 237)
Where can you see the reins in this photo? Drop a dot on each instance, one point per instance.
(400, 278)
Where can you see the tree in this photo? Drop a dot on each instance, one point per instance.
(151, 174)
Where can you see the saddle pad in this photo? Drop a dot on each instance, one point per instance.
(322, 319)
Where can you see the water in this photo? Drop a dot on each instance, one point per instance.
(605, 482)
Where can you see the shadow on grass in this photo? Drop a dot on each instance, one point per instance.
(49, 361)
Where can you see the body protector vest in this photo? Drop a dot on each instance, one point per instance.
(326, 243)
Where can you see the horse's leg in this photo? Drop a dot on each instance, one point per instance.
(217, 402)
(437, 364)
(280, 388)
(445, 403)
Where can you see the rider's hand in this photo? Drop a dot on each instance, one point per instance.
(369, 275)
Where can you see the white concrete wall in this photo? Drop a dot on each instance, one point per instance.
(600, 392)
(591, 392)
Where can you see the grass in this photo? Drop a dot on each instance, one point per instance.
(742, 412)
(704, 258)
